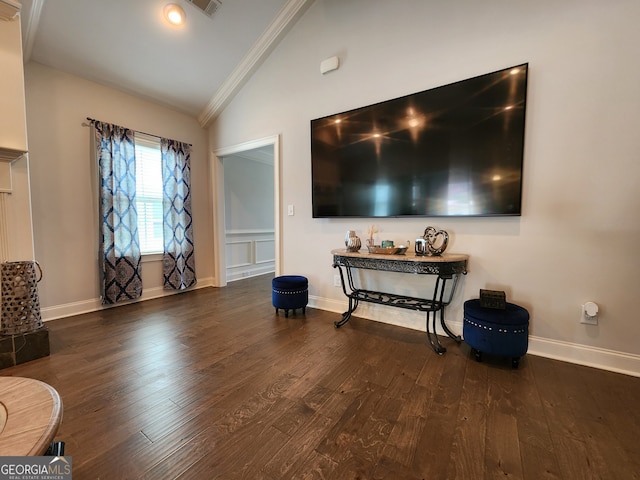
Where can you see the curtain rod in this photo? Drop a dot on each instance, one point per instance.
(138, 131)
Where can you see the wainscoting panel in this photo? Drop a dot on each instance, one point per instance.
(249, 253)
(265, 250)
(239, 254)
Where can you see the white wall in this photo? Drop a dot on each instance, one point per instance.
(64, 183)
(249, 217)
(248, 194)
(578, 237)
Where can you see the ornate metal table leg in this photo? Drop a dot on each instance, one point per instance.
(438, 306)
(432, 336)
(452, 335)
(353, 302)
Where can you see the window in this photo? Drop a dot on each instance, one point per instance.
(149, 193)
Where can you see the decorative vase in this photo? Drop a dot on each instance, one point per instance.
(352, 241)
(20, 300)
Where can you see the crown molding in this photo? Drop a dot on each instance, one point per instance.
(250, 63)
(30, 23)
(9, 9)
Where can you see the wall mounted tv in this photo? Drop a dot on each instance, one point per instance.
(454, 150)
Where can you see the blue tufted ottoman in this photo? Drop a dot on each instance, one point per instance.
(290, 292)
(496, 332)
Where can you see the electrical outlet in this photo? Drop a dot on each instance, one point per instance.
(336, 281)
(588, 319)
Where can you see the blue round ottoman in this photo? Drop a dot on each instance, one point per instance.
(290, 292)
(496, 332)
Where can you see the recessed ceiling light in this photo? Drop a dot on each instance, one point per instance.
(174, 14)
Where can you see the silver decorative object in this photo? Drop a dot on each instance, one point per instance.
(352, 241)
(421, 246)
(434, 242)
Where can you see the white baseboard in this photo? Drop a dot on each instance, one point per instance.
(253, 270)
(611, 360)
(93, 305)
(614, 361)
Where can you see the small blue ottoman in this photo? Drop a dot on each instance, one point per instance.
(290, 292)
(496, 332)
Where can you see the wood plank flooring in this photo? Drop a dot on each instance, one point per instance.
(211, 384)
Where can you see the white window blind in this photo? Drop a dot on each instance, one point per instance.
(149, 193)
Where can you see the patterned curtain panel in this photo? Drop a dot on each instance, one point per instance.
(119, 247)
(179, 267)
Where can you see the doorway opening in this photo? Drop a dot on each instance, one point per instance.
(246, 210)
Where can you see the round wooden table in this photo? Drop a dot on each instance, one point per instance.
(30, 415)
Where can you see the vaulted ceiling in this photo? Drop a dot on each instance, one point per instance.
(128, 45)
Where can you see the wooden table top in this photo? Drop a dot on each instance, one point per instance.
(30, 415)
(408, 257)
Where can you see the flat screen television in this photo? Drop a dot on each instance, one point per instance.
(455, 150)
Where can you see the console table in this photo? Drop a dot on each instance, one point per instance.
(447, 267)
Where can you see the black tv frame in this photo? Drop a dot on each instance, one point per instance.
(467, 135)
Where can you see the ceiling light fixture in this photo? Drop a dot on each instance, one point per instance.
(174, 14)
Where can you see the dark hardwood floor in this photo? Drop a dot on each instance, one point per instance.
(212, 384)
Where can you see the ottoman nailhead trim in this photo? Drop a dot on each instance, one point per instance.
(500, 330)
(288, 292)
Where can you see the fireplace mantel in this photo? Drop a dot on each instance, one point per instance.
(16, 235)
(9, 9)
(8, 155)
